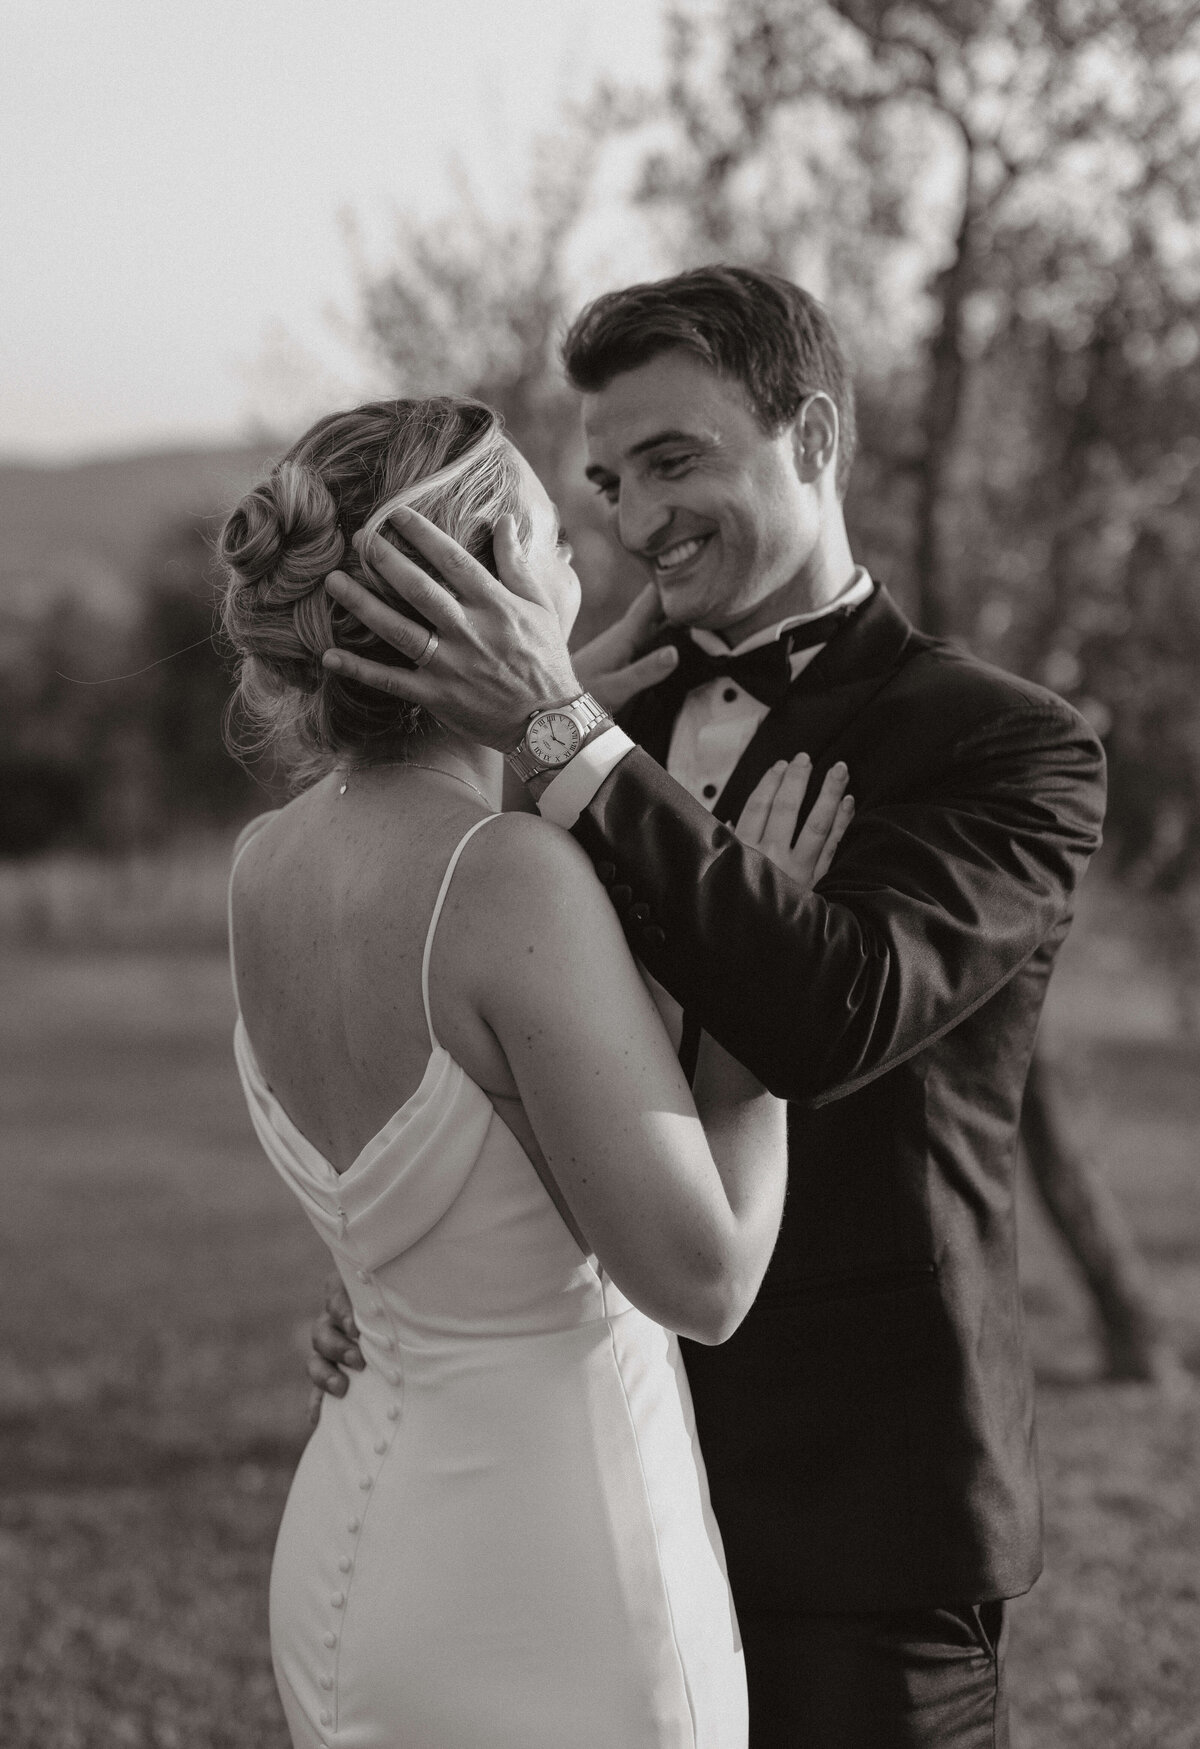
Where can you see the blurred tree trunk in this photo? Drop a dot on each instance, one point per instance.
(1081, 1208)
(940, 416)
(1092, 1226)
(772, 54)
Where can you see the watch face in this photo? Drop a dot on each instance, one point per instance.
(553, 737)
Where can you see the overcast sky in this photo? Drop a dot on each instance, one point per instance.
(171, 174)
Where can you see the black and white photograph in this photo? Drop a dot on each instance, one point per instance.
(600, 874)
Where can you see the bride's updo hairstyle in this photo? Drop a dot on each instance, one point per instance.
(446, 457)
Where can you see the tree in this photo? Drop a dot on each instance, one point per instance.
(176, 761)
(997, 198)
(58, 722)
(1029, 164)
(477, 306)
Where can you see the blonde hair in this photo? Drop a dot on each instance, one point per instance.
(446, 457)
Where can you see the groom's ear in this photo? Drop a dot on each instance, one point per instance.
(815, 437)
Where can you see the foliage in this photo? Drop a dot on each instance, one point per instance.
(180, 696)
(113, 736)
(998, 197)
(475, 306)
(57, 737)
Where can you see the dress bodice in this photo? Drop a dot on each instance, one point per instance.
(499, 1537)
(441, 1222)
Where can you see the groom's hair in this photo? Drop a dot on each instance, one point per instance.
(755, 328)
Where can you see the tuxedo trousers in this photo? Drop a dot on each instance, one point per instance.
(893, 1679)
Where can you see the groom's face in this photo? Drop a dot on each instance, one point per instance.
(715, 508)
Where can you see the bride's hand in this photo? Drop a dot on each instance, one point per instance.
(768, 820)
(614, 667)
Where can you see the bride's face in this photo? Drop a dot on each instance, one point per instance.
(548, 554)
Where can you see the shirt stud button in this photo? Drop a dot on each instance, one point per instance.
(327, 1718)
(338, 1598)
(327, 1683)
(329, 1640)
(364, 1483)
(345, 1564)
(393, 1413)
(380, 1446)
(354, 1526)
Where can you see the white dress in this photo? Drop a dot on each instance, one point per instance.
(501, 1537)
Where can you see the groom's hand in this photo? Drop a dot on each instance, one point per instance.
(501, 654)
(335, 1345)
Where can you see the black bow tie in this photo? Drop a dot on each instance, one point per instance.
(764, 672)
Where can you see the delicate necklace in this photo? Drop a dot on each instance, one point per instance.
(440, 770)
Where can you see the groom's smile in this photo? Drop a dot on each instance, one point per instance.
(678, 555)
(713, 506)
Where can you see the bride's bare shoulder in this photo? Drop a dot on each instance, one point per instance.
(527, 859)
(251, 829)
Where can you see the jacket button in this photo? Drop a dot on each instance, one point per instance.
(607, 872)
(640, 912)
(654, 936)
(621, 895)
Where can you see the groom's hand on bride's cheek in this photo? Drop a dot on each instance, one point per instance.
(335, 1345)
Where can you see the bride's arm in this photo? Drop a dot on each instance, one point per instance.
(683, 1221)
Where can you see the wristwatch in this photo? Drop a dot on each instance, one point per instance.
(555, 734)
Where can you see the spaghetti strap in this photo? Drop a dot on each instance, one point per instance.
(437, 911)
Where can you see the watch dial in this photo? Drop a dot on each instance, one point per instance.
(553, 737)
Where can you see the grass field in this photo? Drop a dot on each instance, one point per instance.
(155, 1290)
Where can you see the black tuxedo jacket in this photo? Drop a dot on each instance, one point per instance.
(868, 1430)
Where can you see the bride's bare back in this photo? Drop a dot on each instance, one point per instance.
(332, 901)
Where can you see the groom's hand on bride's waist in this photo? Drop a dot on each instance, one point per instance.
(335, 1345)
(499, 653)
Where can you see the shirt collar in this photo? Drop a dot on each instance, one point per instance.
(856, 591)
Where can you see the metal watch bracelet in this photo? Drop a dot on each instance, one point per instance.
(589, 718)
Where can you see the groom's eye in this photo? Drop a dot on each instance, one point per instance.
(671, 466)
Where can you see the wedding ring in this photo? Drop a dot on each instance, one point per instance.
(428, 653)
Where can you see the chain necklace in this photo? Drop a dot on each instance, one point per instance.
(440, 770)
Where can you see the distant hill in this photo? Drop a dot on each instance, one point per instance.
(92, 523)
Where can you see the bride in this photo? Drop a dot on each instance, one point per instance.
(500, 1538)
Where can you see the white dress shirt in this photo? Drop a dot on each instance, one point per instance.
(713, 729)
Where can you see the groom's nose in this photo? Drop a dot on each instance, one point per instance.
(642, 518)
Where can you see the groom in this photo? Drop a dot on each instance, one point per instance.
(868, 1431)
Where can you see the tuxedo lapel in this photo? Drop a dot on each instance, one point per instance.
(825, 696)
(829, 693)
(837, 684)
(649, 718)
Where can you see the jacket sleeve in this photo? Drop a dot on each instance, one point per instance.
(934, 899)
